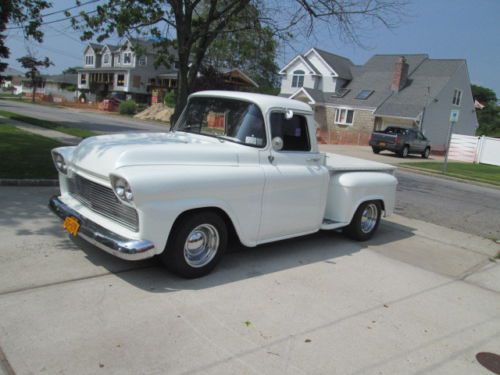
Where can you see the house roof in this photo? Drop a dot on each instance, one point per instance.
(11, 72)
(425, 83)
(341, 65)
(71, 79)
(316, 95)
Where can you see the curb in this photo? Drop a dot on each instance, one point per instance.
(445, 177)
(28, 182)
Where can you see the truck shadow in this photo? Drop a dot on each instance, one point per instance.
(241, 263)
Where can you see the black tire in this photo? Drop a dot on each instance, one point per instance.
(426, 153)
(356, 230)
(404, 151)
(376, 150)
(202, 226)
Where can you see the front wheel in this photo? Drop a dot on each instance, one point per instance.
(426, 153)
(365, 221)
(196, 244)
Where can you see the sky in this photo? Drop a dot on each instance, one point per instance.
(460, 29)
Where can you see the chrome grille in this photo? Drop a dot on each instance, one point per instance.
(102, 200)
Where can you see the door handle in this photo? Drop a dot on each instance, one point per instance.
(313, 159)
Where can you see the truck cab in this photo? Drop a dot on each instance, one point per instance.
(239, 163)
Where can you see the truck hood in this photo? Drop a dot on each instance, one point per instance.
(101, 155)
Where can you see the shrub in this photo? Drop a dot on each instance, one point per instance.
(169, 99)
(127, 107)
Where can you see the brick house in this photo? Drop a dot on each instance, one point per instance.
(350, 101)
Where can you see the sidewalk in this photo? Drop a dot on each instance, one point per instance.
(44, 132)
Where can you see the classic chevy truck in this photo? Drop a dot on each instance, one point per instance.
(235, 163)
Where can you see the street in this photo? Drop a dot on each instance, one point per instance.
(105, 123)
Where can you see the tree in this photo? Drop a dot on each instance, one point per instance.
(252, 50)
(27, 16)
(33, 66)
(488, 117)
(191, 26)
(483, 94)
(72, 70)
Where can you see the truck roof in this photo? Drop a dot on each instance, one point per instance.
(265, 102)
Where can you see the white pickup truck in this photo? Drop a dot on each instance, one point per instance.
(234, 163)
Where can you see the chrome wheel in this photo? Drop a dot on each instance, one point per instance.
(201, 245)
(369, 218)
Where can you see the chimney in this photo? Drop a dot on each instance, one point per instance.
(400, 74)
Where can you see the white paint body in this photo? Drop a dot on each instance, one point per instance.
(171, 173)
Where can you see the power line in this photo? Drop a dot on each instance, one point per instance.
(71, 8)
(50, 22)
(53, 50)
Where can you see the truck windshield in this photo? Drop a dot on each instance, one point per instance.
(228, 119)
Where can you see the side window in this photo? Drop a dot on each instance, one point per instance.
(293, 131)
(420, 136)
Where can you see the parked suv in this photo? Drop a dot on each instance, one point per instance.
(402, 141)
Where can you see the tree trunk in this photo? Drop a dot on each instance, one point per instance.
(33, 93)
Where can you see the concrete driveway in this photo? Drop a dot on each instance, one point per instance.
(418, 298)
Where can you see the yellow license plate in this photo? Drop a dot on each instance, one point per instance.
(381, 143)
(72, 225)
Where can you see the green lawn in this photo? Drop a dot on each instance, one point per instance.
(83, 133)
(475, 172)
(25, 155)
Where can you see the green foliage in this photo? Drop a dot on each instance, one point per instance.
(25, 155)
(25, 14)
(488, 117)
(128, 107)
(169, 99)
(72, 70)
(483, 94)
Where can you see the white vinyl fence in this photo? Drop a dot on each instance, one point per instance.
(472, 149)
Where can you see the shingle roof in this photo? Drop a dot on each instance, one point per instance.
(340, 64)
(426, 78)
(425, 82)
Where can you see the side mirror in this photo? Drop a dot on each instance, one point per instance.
(277, 143)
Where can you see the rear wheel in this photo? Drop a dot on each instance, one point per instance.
(404, 152)
(376, 150)
(426, 153)
(365, 221)
(196, 244)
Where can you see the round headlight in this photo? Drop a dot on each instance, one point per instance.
(123, 190)
(60, 163)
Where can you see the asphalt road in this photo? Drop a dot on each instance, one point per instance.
(464, 207)
(106, 123)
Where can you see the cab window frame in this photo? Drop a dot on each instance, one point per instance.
(306, 129)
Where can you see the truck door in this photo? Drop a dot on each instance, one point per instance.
(296, 179)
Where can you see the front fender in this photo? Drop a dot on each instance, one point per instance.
(162, 193)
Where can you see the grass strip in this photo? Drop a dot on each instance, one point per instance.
(474, 172)
(82, 133)
(25, 155)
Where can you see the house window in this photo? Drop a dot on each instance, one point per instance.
(136, 81)
(364, 94)
(344, 116)
(120, 80)
(127, 58)
(142, 60)
(457, 97)
(83, 79)
(298, 78)
(106, 58)
(89, 60)
(293, 132)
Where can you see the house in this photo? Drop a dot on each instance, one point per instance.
(129, 71)
(11, 80)
(56, 87)
(350, 101)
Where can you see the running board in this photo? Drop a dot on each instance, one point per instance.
(332, 224)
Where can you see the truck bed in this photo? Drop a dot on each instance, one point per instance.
(341, 163)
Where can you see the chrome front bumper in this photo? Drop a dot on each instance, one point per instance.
(121, 247)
